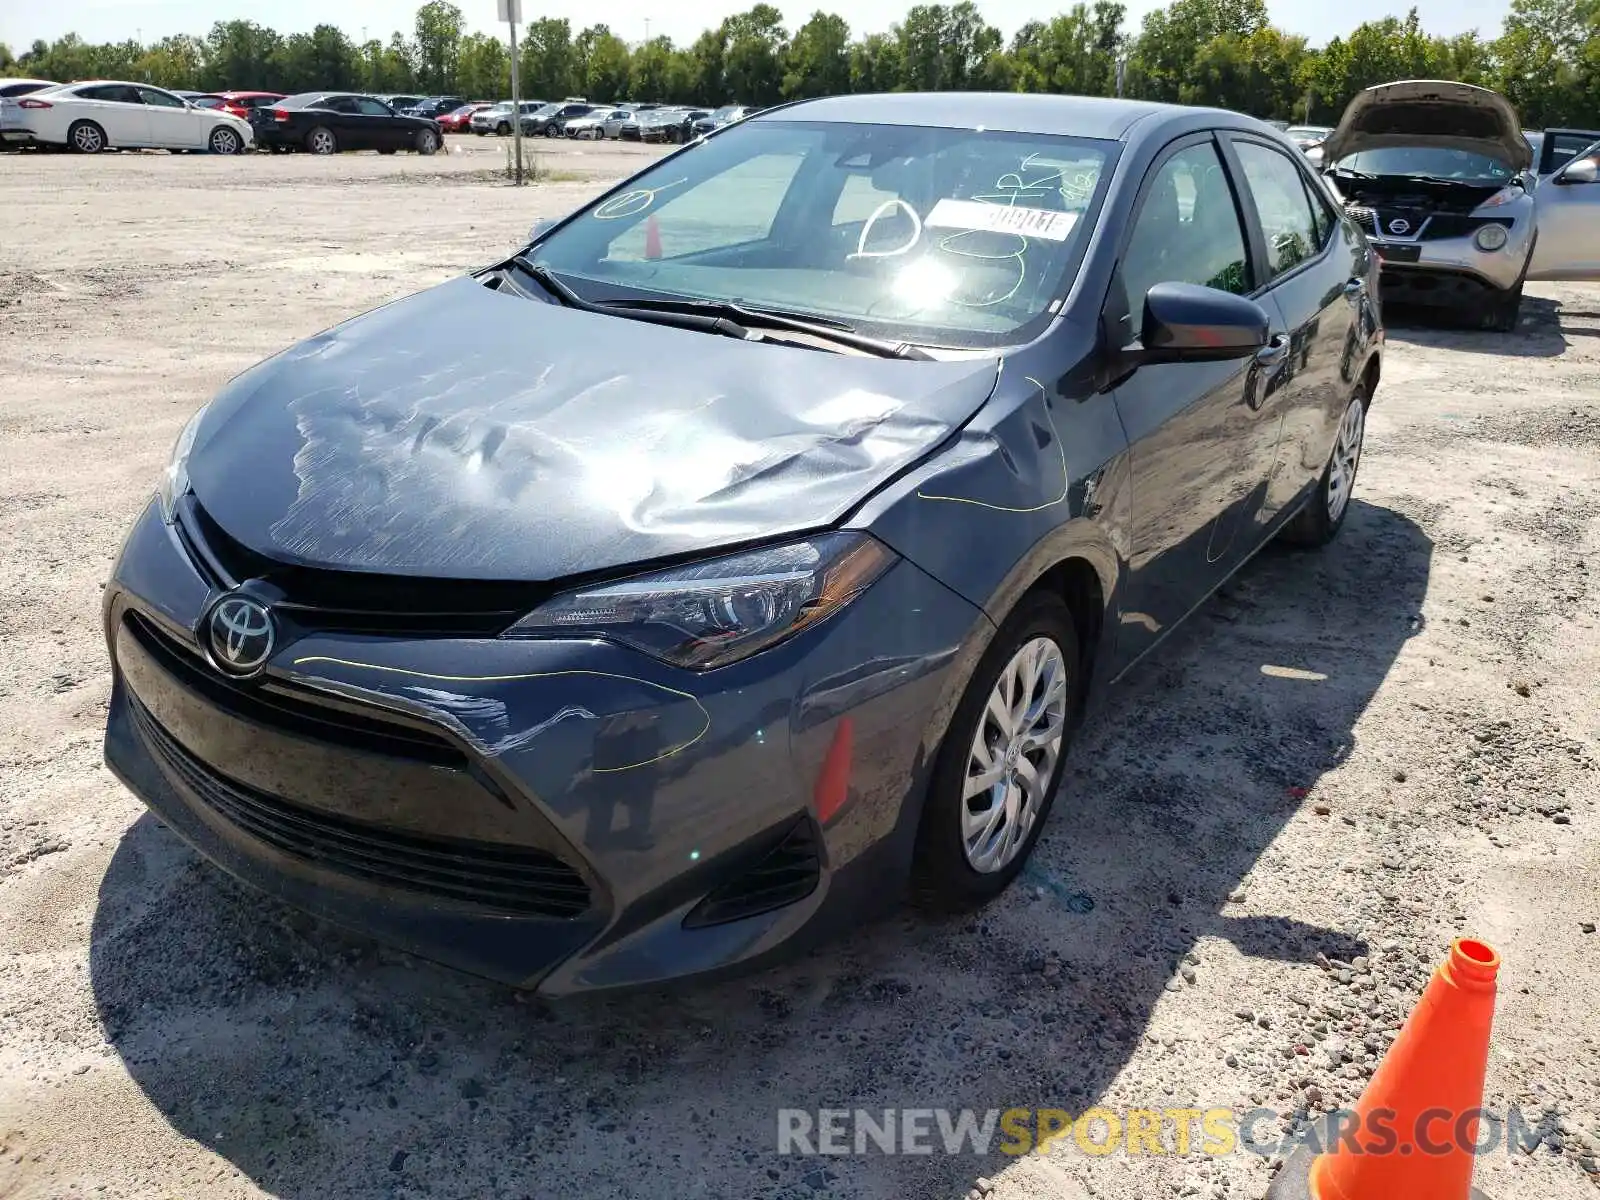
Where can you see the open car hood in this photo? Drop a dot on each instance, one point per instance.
(467, 434)
(1433, 112)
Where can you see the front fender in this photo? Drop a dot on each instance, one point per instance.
(1032, 480)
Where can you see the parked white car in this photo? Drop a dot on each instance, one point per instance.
(98, 114)
(602, 123)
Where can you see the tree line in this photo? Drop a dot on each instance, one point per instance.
(1545, 58)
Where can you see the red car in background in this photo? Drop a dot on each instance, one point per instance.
(240, 103)
(456, 122)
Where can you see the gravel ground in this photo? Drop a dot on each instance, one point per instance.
(1267, 840)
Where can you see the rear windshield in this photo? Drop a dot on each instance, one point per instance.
(303, 100)
(944, 236)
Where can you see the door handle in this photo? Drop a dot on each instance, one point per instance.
(1274, 352)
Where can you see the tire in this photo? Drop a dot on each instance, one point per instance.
(481, 132)
(224, 140)
(552, 130)
(427, 141)
(85, 137)
(503, 129)
(1319, 522)
(948, 873)
(321, 141)
(1504, 310)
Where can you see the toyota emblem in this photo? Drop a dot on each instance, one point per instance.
(1399, 225)
(240, 634)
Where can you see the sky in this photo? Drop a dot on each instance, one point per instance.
(21, 21)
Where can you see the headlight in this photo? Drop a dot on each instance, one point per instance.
(1504, 196)
(175, 479)
(712, 613)
(1489, 237)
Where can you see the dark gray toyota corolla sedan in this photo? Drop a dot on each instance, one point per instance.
(747, 547)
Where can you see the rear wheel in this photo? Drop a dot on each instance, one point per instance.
(1319, 522)
(225, 141)
(427, 141)
(1002, 759)
(86, 137)
(321, 141)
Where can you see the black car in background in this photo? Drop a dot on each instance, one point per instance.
(328, 122)
(435, 107)
(726, 115)
(551, 120)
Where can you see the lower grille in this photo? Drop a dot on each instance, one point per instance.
(788, 873)
(513, 879)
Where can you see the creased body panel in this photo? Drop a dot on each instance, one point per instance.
(466, 434)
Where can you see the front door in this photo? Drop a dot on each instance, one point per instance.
(173, 124)
(1568, 211)
(1193, 428)
(381, 128)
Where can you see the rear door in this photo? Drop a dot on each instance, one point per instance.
(1192, 427)
(341, 114)
(173, 124)
(1314, 271)
(1567, 208)
(117, 109)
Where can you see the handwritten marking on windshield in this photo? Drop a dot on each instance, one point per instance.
(878, 214)
(631, 202)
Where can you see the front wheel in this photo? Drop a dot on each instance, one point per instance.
(1504, 310)
(225, 141)
(1001, 760)
(427, 141)
(503, 129)
(1319, 522)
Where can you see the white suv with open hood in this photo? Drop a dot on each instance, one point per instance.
(1433, 173)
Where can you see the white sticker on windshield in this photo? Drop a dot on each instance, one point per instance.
(1002, 218)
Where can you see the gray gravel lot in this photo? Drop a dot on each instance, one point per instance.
(1265, 843)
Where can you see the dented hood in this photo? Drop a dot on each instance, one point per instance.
(464, 433)
(1430, 112)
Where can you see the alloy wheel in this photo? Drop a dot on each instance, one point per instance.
(1346, 457)
(1013, 756)
(322, 142)
(224, 141)
(88, 139)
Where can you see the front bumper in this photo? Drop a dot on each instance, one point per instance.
(560, 815)
(1450, 271)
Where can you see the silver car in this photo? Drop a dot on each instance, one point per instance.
(1567, 205)
(1434, 173)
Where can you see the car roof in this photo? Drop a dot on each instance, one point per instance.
(244, 94)
(1013, 112)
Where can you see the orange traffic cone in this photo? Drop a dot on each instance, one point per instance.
(1413, 1139)
(652, 237)
(833, 782)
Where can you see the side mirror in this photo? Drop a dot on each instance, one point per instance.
(1184, 322)
(1579, 170)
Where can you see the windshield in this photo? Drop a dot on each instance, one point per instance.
(1307, 133)
(945, 236)
(1437, 162)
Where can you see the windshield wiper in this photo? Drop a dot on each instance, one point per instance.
(1352, 173)
(1440, 179)
(704, 323)
(824, 328)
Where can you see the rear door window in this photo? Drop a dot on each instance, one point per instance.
(1278, 191)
